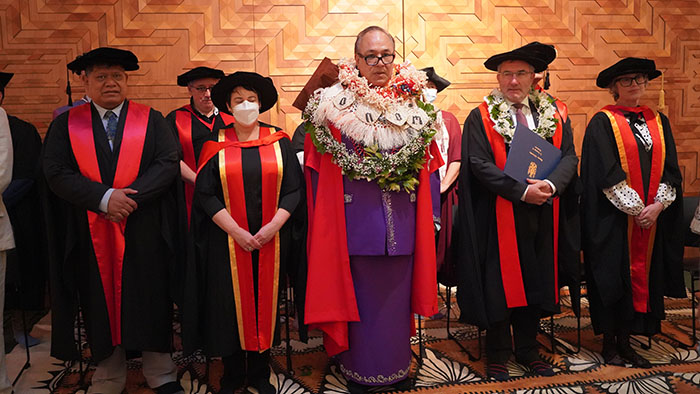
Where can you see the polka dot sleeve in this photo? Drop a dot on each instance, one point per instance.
(624, 198)
(695, 223)
(666, 194)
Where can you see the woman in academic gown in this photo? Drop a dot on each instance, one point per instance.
(248, 184)
(631, 212)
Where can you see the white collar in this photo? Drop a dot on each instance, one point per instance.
(117, 110)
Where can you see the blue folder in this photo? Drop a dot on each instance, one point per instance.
(530, 156)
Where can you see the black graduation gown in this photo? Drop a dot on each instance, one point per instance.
(605, 234)
(209, 315)
(200, 134)
(149, 235)
(26, 266)
(480, 295)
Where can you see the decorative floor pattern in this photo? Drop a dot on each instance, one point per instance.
(444, 368)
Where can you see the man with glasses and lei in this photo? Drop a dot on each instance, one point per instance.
(509, 229)
(195, 122)
(110, 165)
(373, 199)
(632, 213)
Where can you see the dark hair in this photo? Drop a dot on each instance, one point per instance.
(370, 29)
(244, 86)
(2, 91)
(89, 68)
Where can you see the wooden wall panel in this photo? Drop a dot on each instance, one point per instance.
(286, 39)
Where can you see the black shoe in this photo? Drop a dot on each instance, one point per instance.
(403, 385)
(497, 372)
(264, 387)
(610, 355)
(539, 367)
(229, 384)
(628, 354)
(169, 388)
(357, 388)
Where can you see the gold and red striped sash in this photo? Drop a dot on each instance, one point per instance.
(640, 241)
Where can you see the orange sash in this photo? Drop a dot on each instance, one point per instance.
(183, 123)
(640, 241)
(107, 236)
(511, 273)
(256, 323)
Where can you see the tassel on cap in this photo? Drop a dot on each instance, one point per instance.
(546, 80)
(68, 90)
(662, 96)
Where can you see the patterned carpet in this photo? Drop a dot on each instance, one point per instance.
(444, 368)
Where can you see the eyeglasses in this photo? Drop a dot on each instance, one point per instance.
(373, 60)
(202, 89)
(640, 79)
(522, 74)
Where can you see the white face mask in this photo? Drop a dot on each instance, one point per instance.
(429, 95)
(246, 113)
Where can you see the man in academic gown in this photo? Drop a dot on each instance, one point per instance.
(509, 228)
(110, 166)
(195, 121)
(26, 277)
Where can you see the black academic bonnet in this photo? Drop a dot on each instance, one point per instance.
(440, 82)
(5, 79)
(628, 65)
(535, 53)
(198, 73)
(105, 55)
(221, 92)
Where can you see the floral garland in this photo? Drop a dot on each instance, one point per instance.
(394, 170)
(500, 114)
(406, 84)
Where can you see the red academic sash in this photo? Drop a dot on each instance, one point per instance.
(330, 294)
(183, 123)
(511, 273)
(640, 241)
(108, 237)
(255, 323)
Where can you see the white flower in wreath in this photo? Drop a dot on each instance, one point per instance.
(499, 112)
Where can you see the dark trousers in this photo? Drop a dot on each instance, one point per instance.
(254, 365)
(499, 343)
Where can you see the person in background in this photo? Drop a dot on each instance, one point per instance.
(449, 141)
(27, 267)
(195, 122)
(76, 67)
(7, 241)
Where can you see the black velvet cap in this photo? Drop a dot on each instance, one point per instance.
(199, 73)
(535, 53)
(105, 55)
(628, 65)
(221, 92)
(5, 79)
(440, 82)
